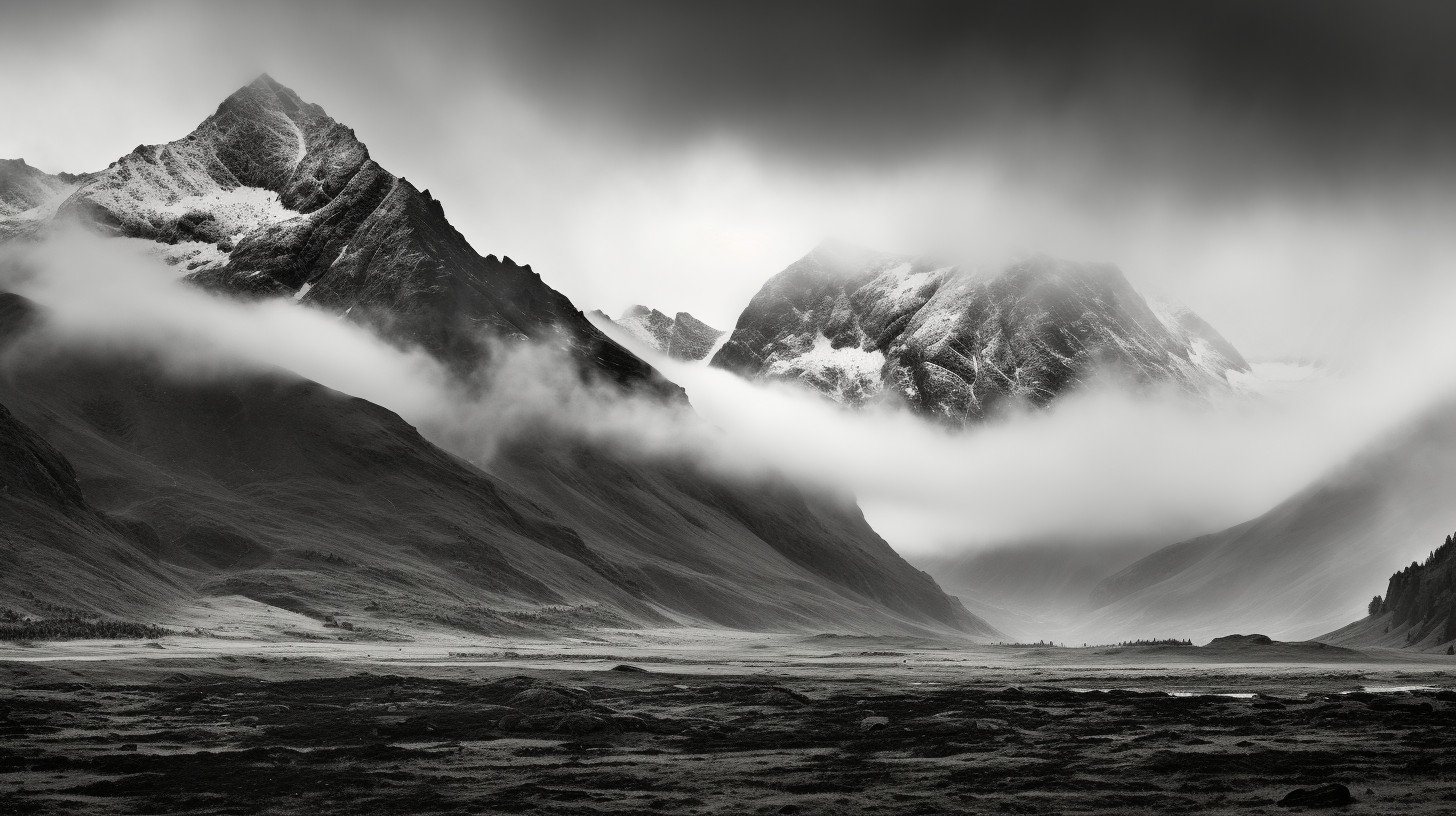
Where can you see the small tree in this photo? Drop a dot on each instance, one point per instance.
(1375, 604)
(1451, 650)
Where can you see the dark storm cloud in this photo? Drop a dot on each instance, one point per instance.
(1335, 91)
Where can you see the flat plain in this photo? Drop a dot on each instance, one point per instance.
(694, 721)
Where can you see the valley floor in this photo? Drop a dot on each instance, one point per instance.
(715, 723)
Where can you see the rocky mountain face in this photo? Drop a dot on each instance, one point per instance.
(957, 343)
(1308, 565)
(682, 336)
(270, 197)
(276, 492)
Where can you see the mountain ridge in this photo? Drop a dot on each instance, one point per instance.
(681, 337)
(270, 198)
(959, 343)
(270, 487)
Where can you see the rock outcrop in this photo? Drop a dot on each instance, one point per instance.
(682, 336)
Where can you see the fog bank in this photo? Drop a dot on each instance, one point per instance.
(1101, 465)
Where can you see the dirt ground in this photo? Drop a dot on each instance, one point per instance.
(725, 725)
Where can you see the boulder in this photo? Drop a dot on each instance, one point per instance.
(1331, 795)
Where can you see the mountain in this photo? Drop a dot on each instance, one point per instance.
(1418, 610)
(269, 491)
(1308, 565)
(56, 543)
(59, 547)
(28, 196)
(682, 336)
(957, 343)
(266, 495)
(270, 197)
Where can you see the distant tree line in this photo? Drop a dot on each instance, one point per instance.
(1150, 642)
(14, 626)
(1423, 595)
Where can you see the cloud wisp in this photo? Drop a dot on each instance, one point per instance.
(1101, 465)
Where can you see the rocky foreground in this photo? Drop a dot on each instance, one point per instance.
(252, 734)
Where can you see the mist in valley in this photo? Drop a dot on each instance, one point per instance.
(1101, 477)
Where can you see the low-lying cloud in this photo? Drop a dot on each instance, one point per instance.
(108, 295)
(1097, 466)
(1107, 465)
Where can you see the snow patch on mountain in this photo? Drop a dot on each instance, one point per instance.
(848, 375)
(297, 132)
(188, 256)
(237, 212)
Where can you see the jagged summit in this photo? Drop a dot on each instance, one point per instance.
(271, 197)
(954, 341)
(266, 92)
(681, 336)
(265, 82)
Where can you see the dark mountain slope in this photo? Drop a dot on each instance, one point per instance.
(279, 490)
(1309, 564)
(730, 552)
(56, 546)
(955, 343)
(1418, 610)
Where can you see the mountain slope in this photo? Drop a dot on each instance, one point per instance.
(24, 188)
(1418, 610)
(275, 489)
(29, 196)
(271, 197)
(1037, 589)
(57, 546)
(1309, 564)
(682, 337)
(957, 343)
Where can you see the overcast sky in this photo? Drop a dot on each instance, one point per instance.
(1283, 168)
